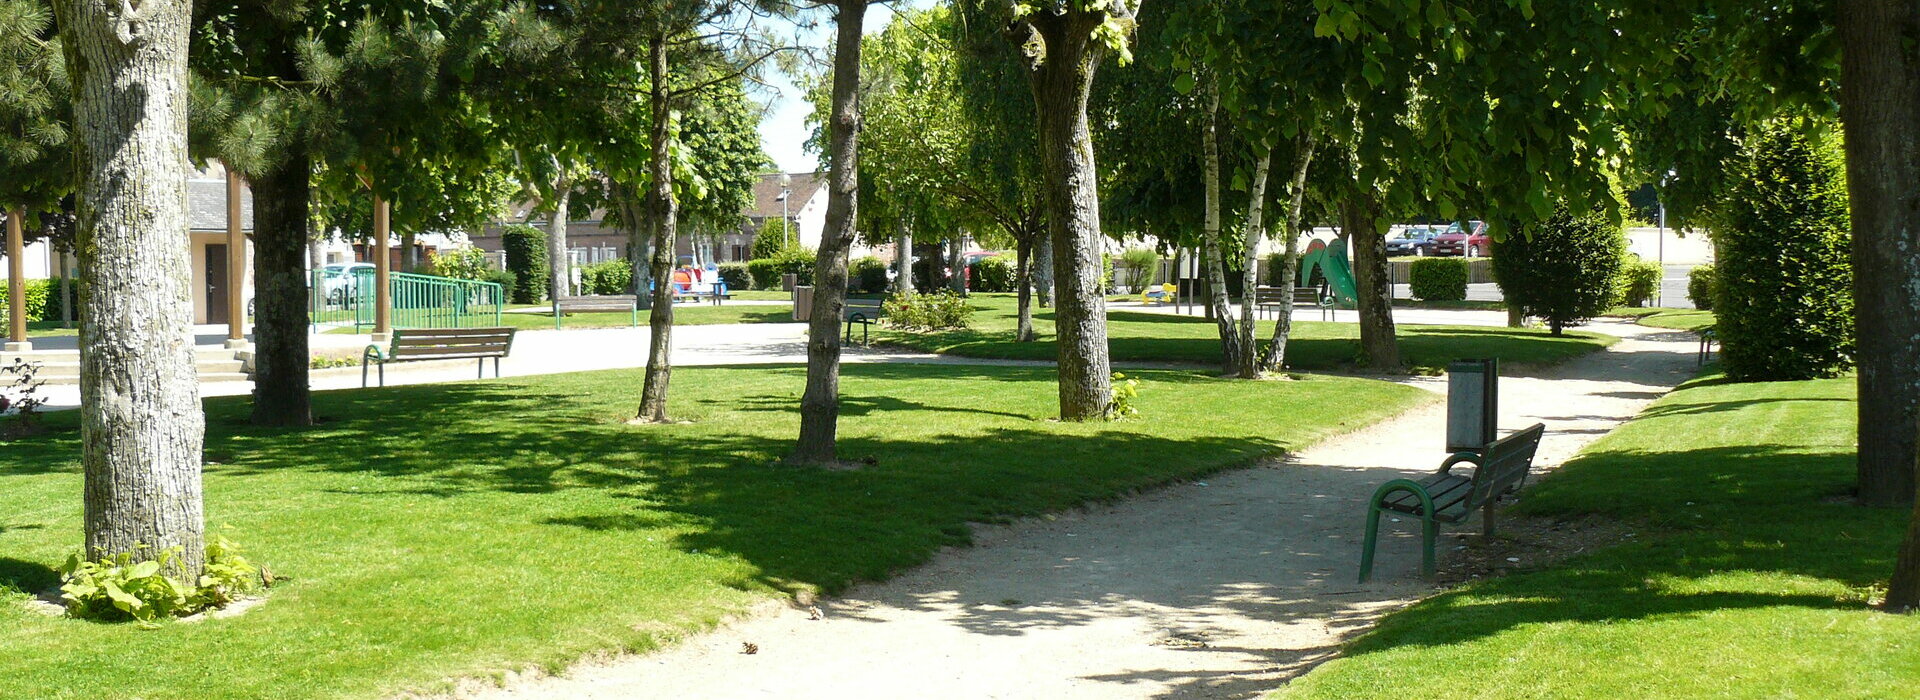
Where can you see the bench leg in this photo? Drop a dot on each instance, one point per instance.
(496, 368)
(363, 373)
(483, 369)
(1486, 520)
(1366, 548)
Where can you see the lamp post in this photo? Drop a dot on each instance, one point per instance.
(786, 216)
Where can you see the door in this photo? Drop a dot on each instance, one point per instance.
(216, 283)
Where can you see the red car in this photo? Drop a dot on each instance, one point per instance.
(1469, 239)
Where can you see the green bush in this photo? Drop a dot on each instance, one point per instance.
(867, 276)
(774, 237)
(1438, 279)
(1564, 269)
(735, 276)
(993, 274)
(39, 301)
(607, 277)
(1700, 284)
(526, 249)
(505, 279)
(935, 311)
(120, 588)
(1639, 281)
(1783, 300)
(1144, 264)
(467, 263)
(766, 272)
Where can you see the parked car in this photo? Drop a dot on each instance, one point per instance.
(1415, 240)
(1469, 239)
(337, 280)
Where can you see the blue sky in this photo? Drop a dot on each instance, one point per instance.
(784, 130)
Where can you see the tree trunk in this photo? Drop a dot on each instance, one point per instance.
(820, 404)
(903, 261)
(1880, 108)
(1023, 279)
(316, 252)
(1516, 316)
(559, 266)
(1247, 364)
(957, 265)
(140, 420)
(1212, 247)
(66, 289)
(409, 251)
(653, 394)
(1276, 355)
(280, 355)
(1070, 180)
(1358, 221)
(1043, 269)
(639, 244)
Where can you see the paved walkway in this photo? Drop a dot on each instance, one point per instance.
(1223, 588)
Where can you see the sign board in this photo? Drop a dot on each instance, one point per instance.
(1473, 404)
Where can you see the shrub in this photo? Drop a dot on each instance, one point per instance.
(1700, 284)
(526, 249)
(766, 272)
(505, 279)
(1144, 264)
(1564, 269)
(1639, 281)
(934, 311)
(774, 237)
(467, 263)
(1438, 279)
(608, 277)
(1783, 298)
(119, 588)
(867, 276)
(20, 396)
(736, 277)
(993, 274)
(1106, 275)
(39, 301)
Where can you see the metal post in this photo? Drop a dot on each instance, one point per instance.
(16, 284)
(382, 295)
(236, 267)
(1660, 293)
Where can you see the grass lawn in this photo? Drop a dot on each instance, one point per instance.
(456, 529)
(1153, 337)
(44, 329)
(683, 315)
(1749, 577)
(1679, 319)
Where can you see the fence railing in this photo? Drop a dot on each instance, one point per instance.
(418, 301)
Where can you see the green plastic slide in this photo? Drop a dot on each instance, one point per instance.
(1332, 261)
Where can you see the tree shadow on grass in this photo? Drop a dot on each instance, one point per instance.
(27, 576)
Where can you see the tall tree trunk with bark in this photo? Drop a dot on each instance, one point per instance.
(1212, 248)
(1880, 109)
(140, 420)
(1247, 364)
(957, 265)
(1359, 217)
(1060, 82)
(409, 251)
(280, 355)
(664, 212)
(559, 266)
(639, 243)
(1275, 357)
(1043, 269)
(1023, 279)
(820, 404)
(903, 261)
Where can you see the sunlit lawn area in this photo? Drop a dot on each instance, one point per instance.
(457, 529)
(1150, 337)
(683, 315)
(1749, 575)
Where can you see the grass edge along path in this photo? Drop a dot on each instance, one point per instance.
(458, 530)
(1749, 576)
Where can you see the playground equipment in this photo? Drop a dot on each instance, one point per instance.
(1331, 260)
(1159, 294)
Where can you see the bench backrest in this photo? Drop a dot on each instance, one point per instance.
(450, 343)
(1504, 465)
(609, 302)
(1273, 295)
(868, 309)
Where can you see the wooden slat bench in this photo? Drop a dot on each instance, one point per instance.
(1270, 299)
(419, 345)
(596, 304)
(1446, 497)
(863, 312)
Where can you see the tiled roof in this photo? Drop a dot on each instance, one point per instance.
(766, 193)
(207, 205)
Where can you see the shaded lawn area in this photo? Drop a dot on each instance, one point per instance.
(1153, 337)
(683, 315)
(1751, 577)
(1680, 319)
(456, 529)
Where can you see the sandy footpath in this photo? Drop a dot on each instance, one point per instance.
(1216, 589)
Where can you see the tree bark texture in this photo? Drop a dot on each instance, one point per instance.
(1880, 109)
(1247, 363)
(903, 261)
(559, 266)
(639, 243)
(957, 265)
(1060, 83)
(1359, 217)
(281, 396)
(1276, 354)
(1212, 248)
(1043, 269)
(820, 403)
(1023, 279)
(653, 394)
(141, 425)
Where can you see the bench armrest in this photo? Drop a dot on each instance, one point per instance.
(1472, 458)
(373, 352)
(1409, 486)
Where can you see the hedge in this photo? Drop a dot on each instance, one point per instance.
(1783, 302)
(526, 249)
(1700, 284)
(39, 301)
(774, 237)
(766, 272)
(1639, 281)
(992, 275)
(736, 277)
(1564, 270)
(607, 277)
(1438, 279)
(867, 276)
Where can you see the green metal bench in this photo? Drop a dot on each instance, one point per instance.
(1447, 497)
(863, 312)
(420, 344)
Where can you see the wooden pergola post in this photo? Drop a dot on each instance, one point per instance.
(16, 284)
(236, 267)
(382, 290)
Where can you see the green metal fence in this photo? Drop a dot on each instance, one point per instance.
(418, 301)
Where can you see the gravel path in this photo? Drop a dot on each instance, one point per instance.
(1223, 588)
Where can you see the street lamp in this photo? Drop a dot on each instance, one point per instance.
(786, 218)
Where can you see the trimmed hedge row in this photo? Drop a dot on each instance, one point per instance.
(766, 272)
(526, 249)
(1438, 279)
(40, 301)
